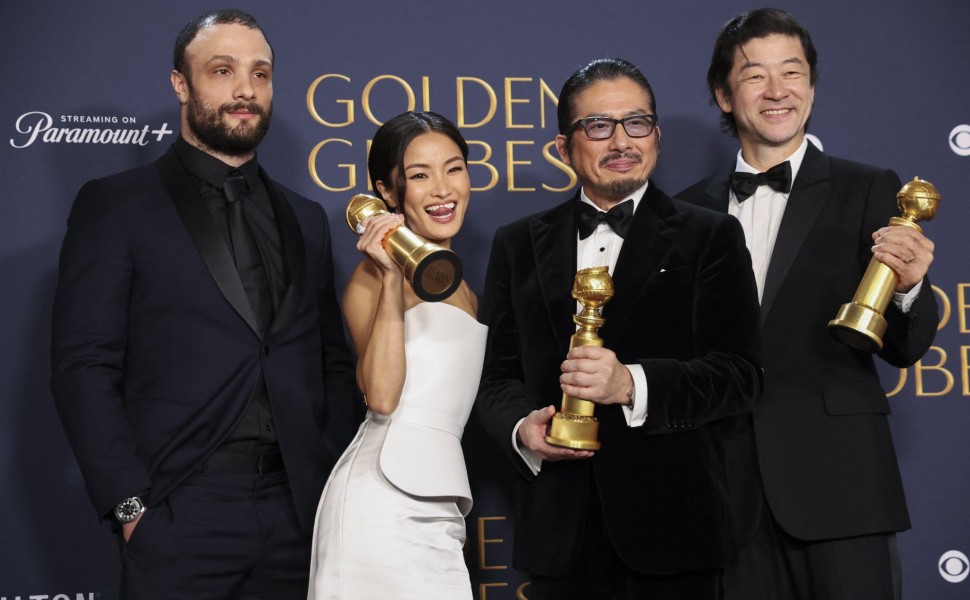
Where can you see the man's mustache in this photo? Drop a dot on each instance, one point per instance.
(621, 155)
(250, 107)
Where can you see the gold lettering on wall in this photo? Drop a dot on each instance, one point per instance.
(546, 92)
(365, 98)
(483, 541)
(944, 303)
(492, 101)
(900, 383)
(484, 587)
(921, 368)
(509, 101)
(483, 162)
(350, 168)
(312, 105)
(961, 305)
(426, 90)
(933, 375)
(510, 163)
(332, 100)
(553, 159)
(964, 370)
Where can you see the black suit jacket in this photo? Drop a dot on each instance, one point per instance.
(824, 447)
(685, 308)
(155, 349)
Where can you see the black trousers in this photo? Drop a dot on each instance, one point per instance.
(602, 575)
(219, 536)
(776, 566)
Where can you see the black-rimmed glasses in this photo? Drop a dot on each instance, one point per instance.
(601, 128)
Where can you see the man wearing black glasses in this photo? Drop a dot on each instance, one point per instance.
(645, 515)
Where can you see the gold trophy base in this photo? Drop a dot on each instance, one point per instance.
(574, 431)
(859, 327)
(435, 273)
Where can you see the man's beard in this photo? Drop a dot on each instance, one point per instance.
(620, 188)
(209, 126)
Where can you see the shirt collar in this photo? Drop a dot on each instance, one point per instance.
(794, 160)
(210, 169)
(635, 196)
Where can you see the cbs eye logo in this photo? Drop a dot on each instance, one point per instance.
(960, 140)
(954, 566)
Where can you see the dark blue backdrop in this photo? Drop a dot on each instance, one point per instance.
(894, 91)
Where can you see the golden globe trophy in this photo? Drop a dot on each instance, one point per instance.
(574, 426)
(860, 324)
(433, 272)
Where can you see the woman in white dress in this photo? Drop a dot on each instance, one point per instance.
(390, 524)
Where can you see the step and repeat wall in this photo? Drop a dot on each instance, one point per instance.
(88, 94)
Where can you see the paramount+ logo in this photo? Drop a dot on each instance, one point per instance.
(38, 126)
(960, 140)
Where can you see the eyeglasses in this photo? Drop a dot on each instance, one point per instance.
(601, 128)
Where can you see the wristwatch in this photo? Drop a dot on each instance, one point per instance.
(129, 510)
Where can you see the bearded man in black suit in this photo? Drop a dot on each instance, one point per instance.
(819, 501)
(645, 516)
(199, 361)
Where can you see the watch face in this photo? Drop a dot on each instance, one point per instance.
(129, 510)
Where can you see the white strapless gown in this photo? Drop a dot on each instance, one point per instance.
(390, 524)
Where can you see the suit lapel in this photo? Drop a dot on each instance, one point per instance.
(718, 192)
(809, 191)
(655, 226)
(202, 229)
(294, 257)
(654, 229)
(553, 238)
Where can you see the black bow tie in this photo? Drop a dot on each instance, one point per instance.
(777, 178)
(589, 217)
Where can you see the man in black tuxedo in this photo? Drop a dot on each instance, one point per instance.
(199, 361)
(819, 503)
(645, 515)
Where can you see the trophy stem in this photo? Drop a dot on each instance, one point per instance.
(574, 426)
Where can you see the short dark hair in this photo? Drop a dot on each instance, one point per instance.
(738, 31)
(597, 70)
(392, 140)
(223, 16)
